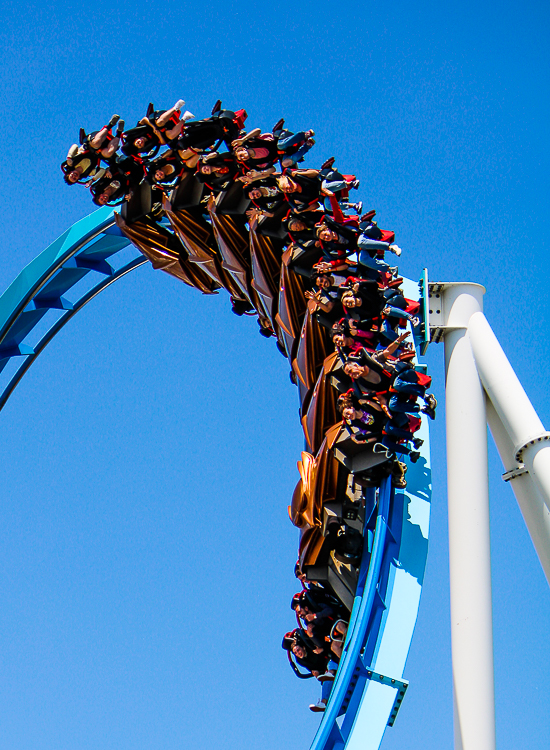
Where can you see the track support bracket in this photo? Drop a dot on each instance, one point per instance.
(401, 687)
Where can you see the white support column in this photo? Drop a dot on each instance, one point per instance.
(533, 509)
(469, 542)
(520, 420)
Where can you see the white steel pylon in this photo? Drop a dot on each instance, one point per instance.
(481, 388)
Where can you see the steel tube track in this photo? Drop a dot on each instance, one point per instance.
(82, 251)
(368, 688)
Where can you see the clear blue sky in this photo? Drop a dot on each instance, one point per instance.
(149, 455)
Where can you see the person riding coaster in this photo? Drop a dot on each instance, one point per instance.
(141, 142)
(83, 161)
(319, 662)
(297, 644)
(292, 147)
(207, 135)
(114, 185)
(302, 189)
(80, 165)
(165, 170)
(377, 373)
(167, 124)
(216, 171)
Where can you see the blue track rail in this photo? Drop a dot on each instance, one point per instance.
(369, 687)
(352, 668)
(86, 251)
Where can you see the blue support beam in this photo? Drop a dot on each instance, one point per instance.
(40, 287)
(22, 326)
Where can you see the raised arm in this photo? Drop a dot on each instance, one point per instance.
(325, 306)
(394, 345)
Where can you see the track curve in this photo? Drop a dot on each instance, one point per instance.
(369, 686)
(79, 254)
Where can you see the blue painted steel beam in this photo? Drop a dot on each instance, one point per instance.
(80, 251)
(329, 733)
(33, 277)
(33, 354)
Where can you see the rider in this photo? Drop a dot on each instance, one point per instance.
(83, 161)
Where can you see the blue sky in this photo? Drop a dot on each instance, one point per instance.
(149, 455)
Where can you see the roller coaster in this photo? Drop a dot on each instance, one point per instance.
(363, 528)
